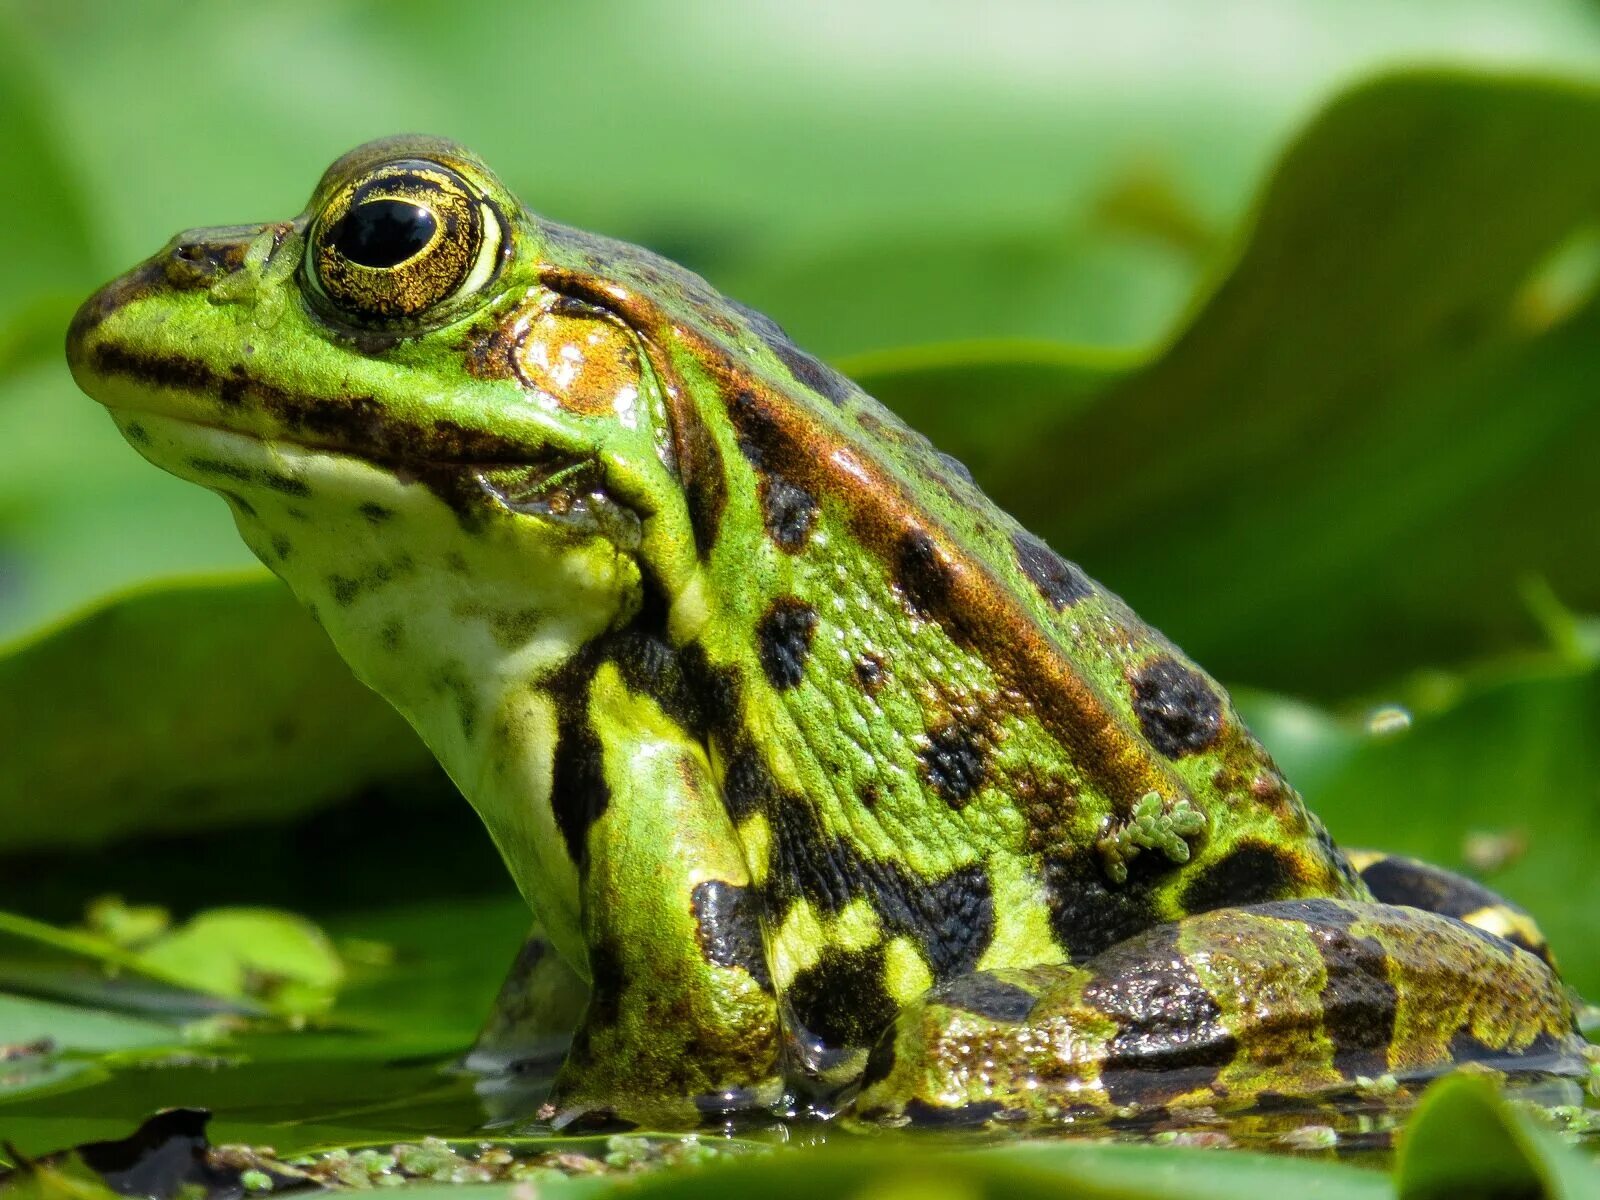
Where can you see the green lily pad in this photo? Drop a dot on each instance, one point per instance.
(207, 702)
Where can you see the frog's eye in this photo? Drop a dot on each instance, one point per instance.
(400, 241)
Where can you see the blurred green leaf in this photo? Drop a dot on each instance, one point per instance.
(1053, 1169)
(1466, 1143)
(205, 703)
(50, 242)
(72, 1028)
(276, 959)
(1368, 433)
(251, 953)
(69, 1180)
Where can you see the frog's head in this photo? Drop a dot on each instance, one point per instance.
(463, 470)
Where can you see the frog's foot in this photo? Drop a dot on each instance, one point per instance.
(1296, 999)
(656, 1076)
(1395, 879)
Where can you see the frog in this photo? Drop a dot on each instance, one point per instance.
(831, 788)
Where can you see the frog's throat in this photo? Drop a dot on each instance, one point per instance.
(459, 624)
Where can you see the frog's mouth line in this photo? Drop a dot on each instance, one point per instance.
(561, 490)
(357, 426)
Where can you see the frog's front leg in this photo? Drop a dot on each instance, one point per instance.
(681, 1020)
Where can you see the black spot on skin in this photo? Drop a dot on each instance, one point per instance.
(530, 956)
(344, 589)
(240, 503)
(228, 470)
(1170, 1035)
(608, 981)
(1358, 1001)
(281, 546)
(391, 635)
(935, 1116)
(715, 692)
(747, 786)
(1251, 873)
(286, 484)
(137, 433)
(376, 513)
(764, 326)
(953, 763)
(841, 1001)
(1177, 709)
(788, 512)
(987, 996)
(232, 391)
(950, 918)
(759, 439)
(462, 697)
(869, 673)
(728, 928)
(579, 792)
(804, 861)
(783, 641)
(1058, 581)
(922, 574)
(1088, 913)
(869, 795)
(817, 376)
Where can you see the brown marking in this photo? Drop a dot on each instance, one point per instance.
(580, 357)
(870, 672)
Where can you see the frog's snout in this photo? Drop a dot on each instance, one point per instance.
(228, 261)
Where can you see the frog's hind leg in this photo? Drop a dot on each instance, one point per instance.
(1293, 1000)
(1395, 879)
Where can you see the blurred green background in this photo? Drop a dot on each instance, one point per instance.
(1278, 315)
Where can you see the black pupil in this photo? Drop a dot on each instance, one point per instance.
(383, 233)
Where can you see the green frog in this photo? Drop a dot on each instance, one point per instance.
(830, 786)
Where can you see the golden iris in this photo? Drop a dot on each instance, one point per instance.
(401, 240)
